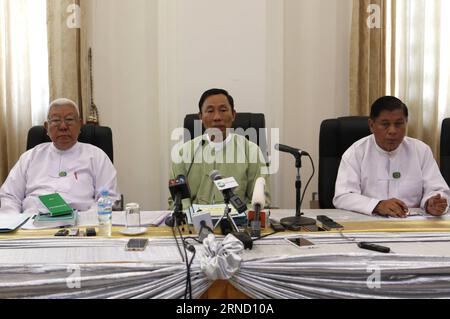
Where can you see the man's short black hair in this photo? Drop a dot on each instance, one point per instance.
(212, 92)
(387, 103)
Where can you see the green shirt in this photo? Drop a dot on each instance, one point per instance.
(237, 157)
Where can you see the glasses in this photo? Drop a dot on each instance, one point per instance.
(69, 121)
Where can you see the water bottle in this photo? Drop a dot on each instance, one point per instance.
(104, 213)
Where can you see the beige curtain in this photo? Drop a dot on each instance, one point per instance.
(422, 65)
(23, 75)
(67, 50)
(367, 55)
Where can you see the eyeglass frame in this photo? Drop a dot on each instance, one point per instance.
(56, 122)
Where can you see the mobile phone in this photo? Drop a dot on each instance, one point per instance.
(74, 232)
(62, 232)
(136, 244)
(90, 232)
(327, 223)
(300, 242)
(277, 227)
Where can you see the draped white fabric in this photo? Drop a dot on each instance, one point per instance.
(221, 260)
(333, 268)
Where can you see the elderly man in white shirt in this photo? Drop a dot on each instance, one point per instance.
(77, 171)
(387, 173)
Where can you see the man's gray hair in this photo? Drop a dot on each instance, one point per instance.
(62, 102)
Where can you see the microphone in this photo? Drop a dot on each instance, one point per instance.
(287, 149)
(215, 175)
(258, 203)
(179, 190)
(228, 194)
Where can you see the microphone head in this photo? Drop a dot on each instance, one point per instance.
(277, 146)
(215, 175)
(259, 196)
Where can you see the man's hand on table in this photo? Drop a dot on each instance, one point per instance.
(436, 205)
(391, 208)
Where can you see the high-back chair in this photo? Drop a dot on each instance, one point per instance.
(336, 136)
(100, 136)
(243, 121)
(445, 150)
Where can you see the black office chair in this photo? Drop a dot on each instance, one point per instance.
(445, 150)
(100, 136)
(242, 122)
(336, 136)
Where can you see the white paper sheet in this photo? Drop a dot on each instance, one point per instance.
(148, 218)
(11, 222)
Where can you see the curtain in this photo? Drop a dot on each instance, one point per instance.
(367, 54)
(23, 75)
(422, 65)
(67, 50)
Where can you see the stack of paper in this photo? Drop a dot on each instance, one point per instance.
(49, 221)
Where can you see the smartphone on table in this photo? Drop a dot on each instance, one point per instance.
(136, 244)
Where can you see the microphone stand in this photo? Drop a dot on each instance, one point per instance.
(298, 220)
(178, 216)
(226, 213)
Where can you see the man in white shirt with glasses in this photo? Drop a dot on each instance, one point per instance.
(77, 171)
(388, 173)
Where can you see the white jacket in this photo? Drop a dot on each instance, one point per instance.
(368, 174)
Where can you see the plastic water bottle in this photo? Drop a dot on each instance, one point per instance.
(104, 213)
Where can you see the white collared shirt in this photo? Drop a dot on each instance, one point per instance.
(218, 146)
(77, 174)
(368, 174)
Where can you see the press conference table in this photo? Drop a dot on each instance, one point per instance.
(34, 264)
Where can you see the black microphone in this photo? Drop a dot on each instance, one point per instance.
(228, 194)
(179, 190)
(193, 157)
(287, 149)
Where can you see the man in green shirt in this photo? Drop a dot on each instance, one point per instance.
(218, 149)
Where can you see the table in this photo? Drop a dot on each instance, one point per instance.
(34, 264)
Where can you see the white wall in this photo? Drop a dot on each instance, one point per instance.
(123, 35)
(153, 59)
(222, 44)
(317, 42)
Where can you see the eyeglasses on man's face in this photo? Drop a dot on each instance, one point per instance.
(56, 121)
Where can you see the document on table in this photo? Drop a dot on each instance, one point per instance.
(216, 211)
(148, 218)
(10, 222)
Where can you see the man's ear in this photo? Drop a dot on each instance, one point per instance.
(234, 115)
(371, 124)
(200, 116)
(46, 128)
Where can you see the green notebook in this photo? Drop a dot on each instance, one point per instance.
(56, 205)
